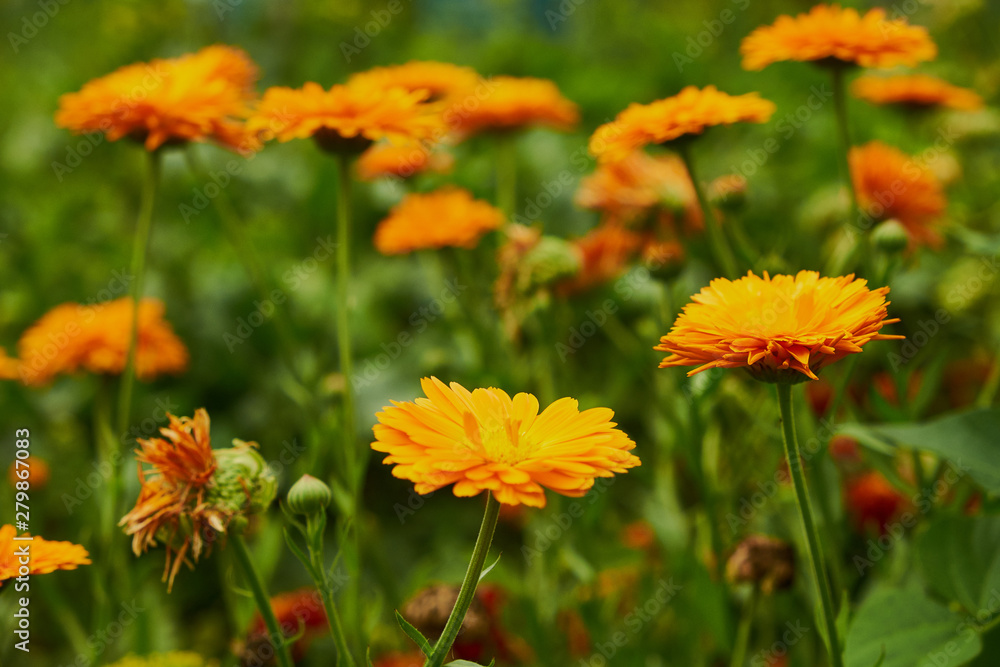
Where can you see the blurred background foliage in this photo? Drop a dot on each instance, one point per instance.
(63, 234)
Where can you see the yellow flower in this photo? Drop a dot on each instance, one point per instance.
(346, 117)
(892, 185)
(690, 112)
(830, 34)
(445, 217)
(486, 440)
(784, 328)
(439, 80)
(509, 103)
(44, 556)
(198, 97)
(73, 336)
(915, 90)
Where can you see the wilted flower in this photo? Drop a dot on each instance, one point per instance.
(766, 562)
(486, 440)
(784, 328)
(44, 556)
(688, 113)
(439, 219)
(73, 337)
(191, 492)
(202, 96)
(829, 34)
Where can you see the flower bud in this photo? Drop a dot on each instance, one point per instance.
(551, 259)
(308, 496)
(891, 237)
(764, 561)
(664, 259)
(243, 483)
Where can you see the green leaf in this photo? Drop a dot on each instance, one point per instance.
(368, 657)
(968, 440)
(911, 629)
(414, 634)
(960, 559)
(486, 570)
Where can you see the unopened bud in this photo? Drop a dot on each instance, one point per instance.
(891, 237)
(308, 496)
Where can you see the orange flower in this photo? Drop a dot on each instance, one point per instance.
(402, 160)
(439, 80)
(627, 188)
(873, 502)
(412, 659)
(486, 440)
(689, 112)
(198, 97)
(605, 252)
(445, 217)
(830, 34)
(44, 556)
(346, 117)
(639, 535)
(95, 338)
(37, 472)
(192, 492)
(782, 328)
(299, 611)
(9, 366)
(890, 184)
(915, 90)
(510, 103)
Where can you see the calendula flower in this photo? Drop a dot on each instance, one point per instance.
(689, 112)
(190, 491)
(95, 338)
(627, 189)
(202, 96)
(43, 556)
(784, 328)
(605, 253)
(446, 217)
(172, 659)
(299, 614)
(32, 469)
(915, 90)
(892, 185)
(439, 80)
(832, 35)
(402, 160)
(510, 103)
(873, 502)
(486, 440)
(345, 117)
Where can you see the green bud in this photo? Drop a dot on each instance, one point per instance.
(550, 260)
(891, 237)
(242, 482)
(308, 496)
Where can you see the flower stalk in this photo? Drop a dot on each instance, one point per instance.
(716, 240)
(814, 551)
(262, 599)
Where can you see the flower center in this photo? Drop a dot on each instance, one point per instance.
(499, 440)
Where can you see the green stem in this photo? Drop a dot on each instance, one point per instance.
(844, 137)
(343, 312)
(262, 599)
(140, 249)
(314, 534)
(468, 590)
(814, 551)
(506, 174)
(743, 631)
(720, 248)
(989, 391)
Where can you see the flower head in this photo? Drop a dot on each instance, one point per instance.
(439, 80)
(95, 338)
(346, 117)
(190, 492)
(873, 502)
(509, 103)
(766, 562)
(689, 112)
(831, 34)
(892, 185)
(44, 555)
(402, 160)
(915, 90)
(486, 440)
(202, 96)
(299, 614)
(784, 328)
(439, 219)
